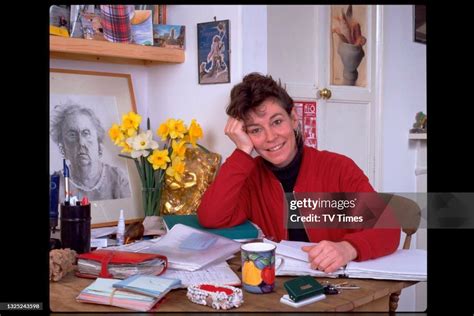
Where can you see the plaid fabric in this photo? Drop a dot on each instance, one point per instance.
(115, 20)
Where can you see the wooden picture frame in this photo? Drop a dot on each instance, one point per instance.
(213, 52)
(419, 23)
(108, 96)
(349, 34)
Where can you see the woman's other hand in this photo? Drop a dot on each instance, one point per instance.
(329, 256)
(234, 129)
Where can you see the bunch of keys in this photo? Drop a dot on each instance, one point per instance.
(331, 289)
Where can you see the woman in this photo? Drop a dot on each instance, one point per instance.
(263, 118)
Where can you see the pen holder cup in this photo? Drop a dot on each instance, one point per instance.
(76, 227)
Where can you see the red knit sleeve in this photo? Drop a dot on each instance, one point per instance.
(370, 243)
(226, 201)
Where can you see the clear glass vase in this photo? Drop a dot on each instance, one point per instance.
(151, 198)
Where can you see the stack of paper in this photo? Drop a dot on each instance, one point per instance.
(187, 248)
(101, 291)
(401, 265)
(406, 265)
(103, 231)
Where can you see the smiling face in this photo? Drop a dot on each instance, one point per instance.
(80, 140)
(271, 131)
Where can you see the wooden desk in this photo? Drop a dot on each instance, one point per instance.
(373, 295)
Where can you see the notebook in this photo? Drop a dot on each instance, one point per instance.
(403, 264)
(101, 291)
(108, 263)
(155, 286)
(245, 231)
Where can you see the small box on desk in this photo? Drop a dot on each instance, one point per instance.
(302, 288)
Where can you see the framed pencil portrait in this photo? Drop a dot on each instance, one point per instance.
(213, 52)
(83, 107)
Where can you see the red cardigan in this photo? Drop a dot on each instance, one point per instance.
(246, 189)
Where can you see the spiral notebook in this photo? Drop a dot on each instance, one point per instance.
(403, 264)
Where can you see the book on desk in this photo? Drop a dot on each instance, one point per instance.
(139, 292)
(244, 232)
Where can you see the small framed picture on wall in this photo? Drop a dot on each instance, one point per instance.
(419, 23)
(213, 52)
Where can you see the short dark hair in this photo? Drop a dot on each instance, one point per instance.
(254, 89)
(61, 112)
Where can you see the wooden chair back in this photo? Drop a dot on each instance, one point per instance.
(408, 214)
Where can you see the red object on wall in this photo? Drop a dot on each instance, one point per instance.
(306, 111)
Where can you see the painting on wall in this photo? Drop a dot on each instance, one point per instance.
(213, 52)
(348, 41)
(420, 23)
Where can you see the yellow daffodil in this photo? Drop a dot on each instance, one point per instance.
(176, 169)
(179, 149)
(130, 123)
(115, 134)
(163, 131)
(176, 128)
(159, 159)
(126, 148)
(195, 132)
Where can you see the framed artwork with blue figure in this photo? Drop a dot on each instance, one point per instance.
(213, 52)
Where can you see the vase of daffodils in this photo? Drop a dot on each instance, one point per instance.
(152, 162)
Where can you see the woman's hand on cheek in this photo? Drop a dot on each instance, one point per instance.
(234, 129)
(329, 256)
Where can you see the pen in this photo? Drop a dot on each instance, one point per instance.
(66, 181)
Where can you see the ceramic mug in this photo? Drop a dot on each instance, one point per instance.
(258, 267)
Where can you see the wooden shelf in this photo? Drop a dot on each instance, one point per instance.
(104, 51)
(417, 136)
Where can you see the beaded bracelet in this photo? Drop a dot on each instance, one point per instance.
(215, 295)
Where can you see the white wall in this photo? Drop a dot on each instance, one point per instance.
(404, 94)
(254, 49)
